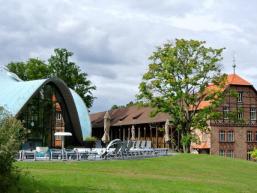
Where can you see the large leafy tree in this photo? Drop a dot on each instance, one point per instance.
(130, 104)
(178, 82)
(33, 69)
(59, 65)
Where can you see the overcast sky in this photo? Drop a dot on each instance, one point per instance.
(113, 39)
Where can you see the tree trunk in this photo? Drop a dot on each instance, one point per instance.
(186, 141)
(184, 148)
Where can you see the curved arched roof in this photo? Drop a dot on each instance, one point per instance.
(15, 93)
(83, 114)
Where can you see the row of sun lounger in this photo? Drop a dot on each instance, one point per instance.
(116, 149)
(133, 149)
(57, 154)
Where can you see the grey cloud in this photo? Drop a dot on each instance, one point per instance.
(112, 40)
(101, 70)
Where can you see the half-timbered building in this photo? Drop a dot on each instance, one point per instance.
(123, 119)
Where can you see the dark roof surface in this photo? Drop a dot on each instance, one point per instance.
(128, 116)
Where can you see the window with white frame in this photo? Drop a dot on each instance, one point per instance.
(222, 136)
(256, 136)
(253, 113)
(222, 152)
(240, 97)
(230, 153)
(225, 112)
(230, 136)
(249, 136)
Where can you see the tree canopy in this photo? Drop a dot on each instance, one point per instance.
(177, 82)
(130, 104)
(59, 65)
(33, 69)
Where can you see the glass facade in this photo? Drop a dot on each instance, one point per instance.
(39, 116)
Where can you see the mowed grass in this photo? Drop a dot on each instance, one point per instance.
(181, 174)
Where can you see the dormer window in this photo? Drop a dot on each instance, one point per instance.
(240, 97)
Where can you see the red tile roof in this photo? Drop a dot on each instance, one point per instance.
(234, 79)
(203, 104)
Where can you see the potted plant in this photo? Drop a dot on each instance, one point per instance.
(89, 142)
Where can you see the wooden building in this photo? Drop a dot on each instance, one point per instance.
(122, 120)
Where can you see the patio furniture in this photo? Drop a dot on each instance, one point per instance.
(136, 150)
(112, 150)
(142, 145)
(92, 154)
(82, 153)
(161, 151)
(148, 145)
(137, 145)
(56, 154)
(127, 151)
(28, 155)
(121, 152)
(148, 150)
(42, 153)
(115, 153)
(124, 150)
(71, 154)
(86, 153)
(18, 156)
(98, 144)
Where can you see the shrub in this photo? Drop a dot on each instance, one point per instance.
(89, 142)
(12, 134)
(254, 154)
(90, 139)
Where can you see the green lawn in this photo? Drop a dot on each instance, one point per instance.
(182, 174)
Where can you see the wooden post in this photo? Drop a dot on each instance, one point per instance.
(128, 133)
(178, 140)
(171, 145)
(138, 133)
(124, 134)
(144, 132)
(151, 133)
(119, 134)
(156, 136)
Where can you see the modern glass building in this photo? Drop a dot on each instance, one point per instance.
(45, 107)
